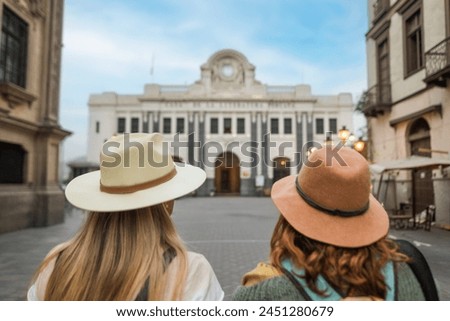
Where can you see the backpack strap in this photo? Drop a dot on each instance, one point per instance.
(297, 284)
(296, 276)
(421, 269)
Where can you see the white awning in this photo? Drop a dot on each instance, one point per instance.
(408, 163)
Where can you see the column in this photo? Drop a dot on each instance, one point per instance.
(156, 122)
(254, 146)
(201, 138)
(191, 133)
(299, 140)
(145, 120)
(309, 128)
(265, 149)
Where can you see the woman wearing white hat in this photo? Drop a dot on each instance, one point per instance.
(128, 248)
(330, 241)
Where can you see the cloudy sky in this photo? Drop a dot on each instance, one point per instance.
(111, 45)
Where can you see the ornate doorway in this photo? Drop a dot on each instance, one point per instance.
(227, 174)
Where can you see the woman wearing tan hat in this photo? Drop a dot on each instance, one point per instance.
(128, 248)
(330, 240)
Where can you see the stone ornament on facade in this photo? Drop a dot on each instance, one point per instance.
(228, 69)
(37, 8)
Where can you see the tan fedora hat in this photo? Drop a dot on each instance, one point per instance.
(135, 172)
(330, 199)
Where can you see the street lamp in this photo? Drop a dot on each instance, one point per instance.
(359, 145)
(311, 150)
(343, 134)
(347, 138)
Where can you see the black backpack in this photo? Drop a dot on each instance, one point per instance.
(421, 269)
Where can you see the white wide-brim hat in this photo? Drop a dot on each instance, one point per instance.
(135, 181)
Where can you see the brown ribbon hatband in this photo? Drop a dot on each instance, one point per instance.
(138, 187)
(335, 212)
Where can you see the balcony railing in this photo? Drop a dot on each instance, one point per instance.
(379, 8)
(437, 63)
(377, 100)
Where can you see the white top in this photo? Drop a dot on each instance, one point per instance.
(201, 282)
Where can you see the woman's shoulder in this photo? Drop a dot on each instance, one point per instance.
(195, 257)
(261, 272)
(277, 288)
(37, 290)
(201, 281)
(198, 265)
(266, 283)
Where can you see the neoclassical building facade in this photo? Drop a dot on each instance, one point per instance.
(30, 133)
(245, 134)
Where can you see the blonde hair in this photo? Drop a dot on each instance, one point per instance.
(353, 271)
(115, 254)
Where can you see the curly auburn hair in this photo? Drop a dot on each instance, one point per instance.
(350, 271)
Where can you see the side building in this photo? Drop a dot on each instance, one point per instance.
(30, 134)
(408, 100)
(243, 133)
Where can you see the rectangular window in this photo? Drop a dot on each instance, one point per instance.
(214, 124)
(13, 49)
(288, 125)
(134, 125)
(121, 125)
(97, 127)
(12, 163)
(413, 42)
(319, 126)
(180, 125)
(241, 125)
(383, 92)
(447, 17)
(167, 125)
(332, 125)
(227, 125)
(274, 126)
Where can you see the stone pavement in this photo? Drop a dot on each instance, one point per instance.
(232, 232)
(22, 251)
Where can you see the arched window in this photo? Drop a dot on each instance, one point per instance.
(419, 138)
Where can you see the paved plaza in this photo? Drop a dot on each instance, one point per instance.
(232, 232)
